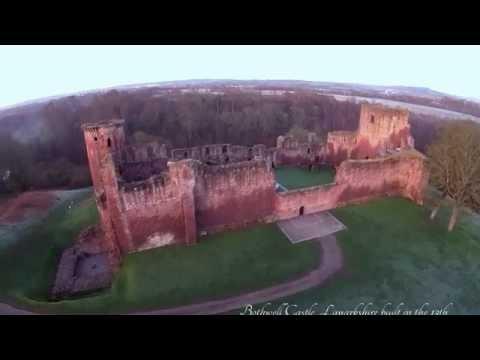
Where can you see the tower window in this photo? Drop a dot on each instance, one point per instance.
(372, 119)
(207, 151)
(308, 151)
(109, 142)
(224, 149)
(95, 138)
(185, 154)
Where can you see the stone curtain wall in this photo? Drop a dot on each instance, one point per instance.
(312, 199)
(403, 174)
(159, 211)
(233, 195)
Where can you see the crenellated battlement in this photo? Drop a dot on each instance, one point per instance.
(154, 191)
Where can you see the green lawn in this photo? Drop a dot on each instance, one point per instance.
(394, 253)
(220, 265)
(295, 178)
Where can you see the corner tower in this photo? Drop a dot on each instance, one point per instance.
(103, 141)
(384, 129)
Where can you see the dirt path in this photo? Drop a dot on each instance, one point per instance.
(26, 204)
(331, 261)
(10, 310)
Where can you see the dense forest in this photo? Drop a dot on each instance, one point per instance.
(50, 152)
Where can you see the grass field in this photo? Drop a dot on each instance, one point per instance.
(295, 178)
(219, 266)
(395, 254)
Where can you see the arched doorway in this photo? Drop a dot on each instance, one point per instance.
(301, 211)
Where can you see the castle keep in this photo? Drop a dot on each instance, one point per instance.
(150, 196)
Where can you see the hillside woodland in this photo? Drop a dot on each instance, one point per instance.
(44, 148)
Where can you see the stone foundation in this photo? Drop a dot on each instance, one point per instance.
(85, 267)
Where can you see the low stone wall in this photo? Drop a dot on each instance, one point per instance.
(293, 203)
(84, 267)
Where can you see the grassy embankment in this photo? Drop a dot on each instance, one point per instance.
(220, 265)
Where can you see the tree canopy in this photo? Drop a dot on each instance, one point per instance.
(454, 159)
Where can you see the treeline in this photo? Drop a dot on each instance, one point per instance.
(54, 156)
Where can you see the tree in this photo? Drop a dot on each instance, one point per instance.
(15, 159)
(298, 133)
(454, 160)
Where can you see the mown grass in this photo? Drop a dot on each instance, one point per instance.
(395, 254)
(220, 265)
(27, 267)
(295, 178)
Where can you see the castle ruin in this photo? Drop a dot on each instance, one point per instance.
(150, 196)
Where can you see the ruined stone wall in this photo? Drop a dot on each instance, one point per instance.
(340, 145)
(159, 210)
(218, 154)
(232, 195)
(143, 152)
(291, 152)
(139, 162)
(381, 130)
(311, 199)
(403, 174)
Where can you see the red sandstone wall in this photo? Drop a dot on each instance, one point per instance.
(380, 129)
(231, 195)
(154, 213)
(403, 174)
(161, 211)
(313, 199)
(291, 152)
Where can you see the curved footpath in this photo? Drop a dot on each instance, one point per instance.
(6, 309)
(331, 261)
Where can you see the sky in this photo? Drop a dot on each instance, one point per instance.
(32, 72)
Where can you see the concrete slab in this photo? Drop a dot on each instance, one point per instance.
(311, 226)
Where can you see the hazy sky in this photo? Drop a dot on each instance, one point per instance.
(30, 72)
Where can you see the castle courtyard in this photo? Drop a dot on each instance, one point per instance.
(290, 177)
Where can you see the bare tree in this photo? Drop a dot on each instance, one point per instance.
(454, 159)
